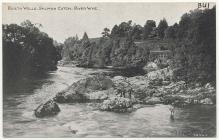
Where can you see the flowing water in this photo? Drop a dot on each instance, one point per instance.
(83, 120)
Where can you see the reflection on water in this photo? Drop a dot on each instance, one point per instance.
(83, 120)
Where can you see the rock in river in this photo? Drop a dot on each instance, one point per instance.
(117, 104)
(50, 108)
(81, 91)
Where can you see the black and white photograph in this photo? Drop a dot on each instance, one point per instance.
(109, 70)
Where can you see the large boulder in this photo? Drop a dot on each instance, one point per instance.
(117, 104)
(49, 108)
(96, 82)
(82, 90)
(70, 97)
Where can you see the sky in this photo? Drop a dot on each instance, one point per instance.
(63, 20)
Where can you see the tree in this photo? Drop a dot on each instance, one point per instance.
(161, 28)
(114, 31)
(184, 25)
(124, 29)
(105, 32)
(69, 42)
(136, 32)
(27, 24)
(76, 37)
(196, 47)
(27, 49)
(85, 37)
(130, 22)
(171, 32)
(148, 27)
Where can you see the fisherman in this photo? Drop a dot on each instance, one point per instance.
(172, 109)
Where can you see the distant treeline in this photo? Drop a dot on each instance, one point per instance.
(192, 42)
(26, 49)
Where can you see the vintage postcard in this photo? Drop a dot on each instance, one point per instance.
(109, 70)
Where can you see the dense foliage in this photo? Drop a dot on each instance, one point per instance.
(161, 28)
(150, 24)
(192, 42)
(27, 49)
(195, 53)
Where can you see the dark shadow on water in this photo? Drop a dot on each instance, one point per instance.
(23, 83)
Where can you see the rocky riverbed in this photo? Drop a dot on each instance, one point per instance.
(126, 94)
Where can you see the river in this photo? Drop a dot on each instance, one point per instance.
(84, 120)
